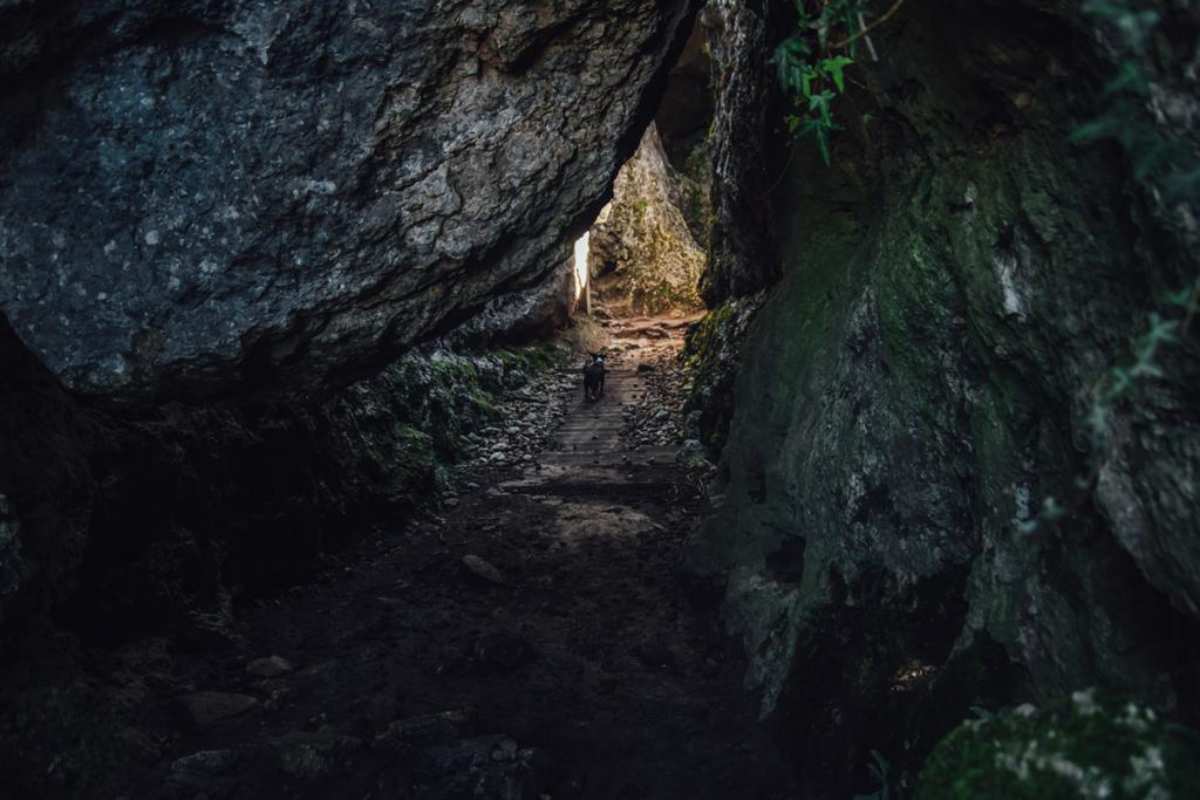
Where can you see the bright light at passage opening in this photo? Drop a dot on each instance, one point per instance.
(581, 264)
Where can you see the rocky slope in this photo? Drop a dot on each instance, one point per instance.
(198, 196)
(919, 381)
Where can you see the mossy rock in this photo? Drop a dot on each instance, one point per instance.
(1088, 746)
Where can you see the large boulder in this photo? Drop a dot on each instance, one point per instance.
(202, 194)
(924, 376)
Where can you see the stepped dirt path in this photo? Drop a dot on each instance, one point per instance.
(534, 641)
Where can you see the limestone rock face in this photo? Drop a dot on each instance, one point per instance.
(920, 380)
(641, 246)
(197, 195)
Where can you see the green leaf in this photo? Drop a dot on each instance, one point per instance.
(1130, 77)
(823, 144)
(835, 69)
(820, 103)
(1146, 369)
(809, 75)
(1103, 128)
(1182, 298)
(797, 47)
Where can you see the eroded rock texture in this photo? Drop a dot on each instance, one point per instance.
(740, 248)
(641, 247)
(918, 382)
(200, 194)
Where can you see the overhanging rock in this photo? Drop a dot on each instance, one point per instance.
(201, 195)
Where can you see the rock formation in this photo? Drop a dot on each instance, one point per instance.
(919, 381)
(641, 249)
(199, 196)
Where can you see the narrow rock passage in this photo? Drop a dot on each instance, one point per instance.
(535, 641)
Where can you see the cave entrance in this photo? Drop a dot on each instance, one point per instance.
(646, 252)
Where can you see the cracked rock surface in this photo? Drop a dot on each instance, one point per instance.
(201, 195)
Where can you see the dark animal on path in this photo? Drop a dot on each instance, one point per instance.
(593, 378)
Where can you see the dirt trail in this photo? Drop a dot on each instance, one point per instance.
(562, 658)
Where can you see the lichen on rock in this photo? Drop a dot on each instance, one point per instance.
(1086, 747)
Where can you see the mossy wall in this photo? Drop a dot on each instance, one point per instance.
(915, 384)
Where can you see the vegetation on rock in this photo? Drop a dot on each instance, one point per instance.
(1087, 747)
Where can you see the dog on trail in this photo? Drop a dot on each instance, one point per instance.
(593, 378)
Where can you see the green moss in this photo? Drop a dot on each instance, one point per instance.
(485, 403)
(1085, 747)
(454, 370)
(412, 456)
(702, 340)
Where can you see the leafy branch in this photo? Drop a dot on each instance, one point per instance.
(811, 63)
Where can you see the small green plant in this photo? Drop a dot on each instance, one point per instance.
(811, 63)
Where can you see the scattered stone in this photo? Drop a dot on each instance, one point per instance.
(483, 570)
(203, 709)
(270, 667)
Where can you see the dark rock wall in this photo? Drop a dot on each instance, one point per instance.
(917, 383)
(118, 522)
(742, 257)
(200, 195)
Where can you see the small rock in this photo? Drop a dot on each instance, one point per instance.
(482, 569)
(505, 750)
(270, 667)
(203, 709)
